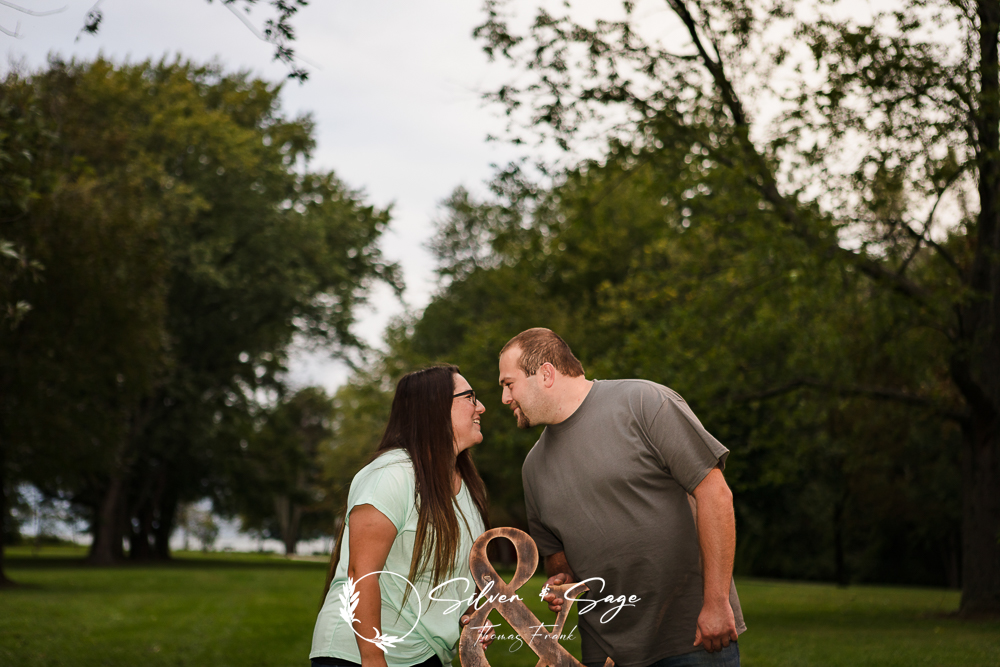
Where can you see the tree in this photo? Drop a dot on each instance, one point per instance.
(282, 493)
(185, 246)
(72, 368)
(23, 127)
(201, 524)
(918, 112)
(360, 413)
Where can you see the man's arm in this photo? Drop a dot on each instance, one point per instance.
(717, 541)
(558, 569)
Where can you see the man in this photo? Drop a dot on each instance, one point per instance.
(626, 485)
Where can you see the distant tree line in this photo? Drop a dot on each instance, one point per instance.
(822, 287)
(164, 241)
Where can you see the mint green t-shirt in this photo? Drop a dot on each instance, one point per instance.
(427, 627)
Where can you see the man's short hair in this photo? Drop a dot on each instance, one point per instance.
(539, 345)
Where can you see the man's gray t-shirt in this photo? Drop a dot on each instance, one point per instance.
(610, 487)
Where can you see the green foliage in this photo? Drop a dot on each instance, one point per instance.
(20, 127)
(659, 263)
(199, 523)
(819, 284)
(360, 411)
(185, 245)
(280, 492)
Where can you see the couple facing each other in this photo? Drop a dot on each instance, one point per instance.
(624, 485)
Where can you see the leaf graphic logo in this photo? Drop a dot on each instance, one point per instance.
(349, 601)
(349, 597)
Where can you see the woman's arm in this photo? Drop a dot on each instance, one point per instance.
(372, 535)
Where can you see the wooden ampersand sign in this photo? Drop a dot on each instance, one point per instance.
(501, 596)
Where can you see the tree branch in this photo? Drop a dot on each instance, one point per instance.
(878, 393)
(261, 36)
(924, 238)
(729, 96)
(30, 12)
(762, 179)
(247, 22)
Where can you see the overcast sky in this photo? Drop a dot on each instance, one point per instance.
(394, 86)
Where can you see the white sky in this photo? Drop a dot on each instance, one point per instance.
(394, 89)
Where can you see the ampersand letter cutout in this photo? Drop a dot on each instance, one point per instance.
(545, 643)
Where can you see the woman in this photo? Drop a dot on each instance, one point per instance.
(412, 514)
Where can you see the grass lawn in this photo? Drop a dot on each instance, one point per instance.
(816, 624)
(253, 610)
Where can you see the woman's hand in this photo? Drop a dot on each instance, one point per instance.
(486, 633)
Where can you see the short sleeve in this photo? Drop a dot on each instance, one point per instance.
(682, 445)
(545, 539)
(388, 485)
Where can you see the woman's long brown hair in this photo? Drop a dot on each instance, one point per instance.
(420, 423)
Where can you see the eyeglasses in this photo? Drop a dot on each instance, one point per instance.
(470, 393)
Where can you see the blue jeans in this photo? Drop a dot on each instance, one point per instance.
(727, 657)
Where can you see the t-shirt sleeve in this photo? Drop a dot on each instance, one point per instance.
(388, 486)
(684, 448)
(545, 539)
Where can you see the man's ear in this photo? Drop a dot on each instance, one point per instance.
(548, 372)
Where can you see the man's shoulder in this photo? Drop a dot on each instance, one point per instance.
(635, 387)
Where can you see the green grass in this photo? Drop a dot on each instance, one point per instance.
(256, 610)
(815, 624)
(234, 610)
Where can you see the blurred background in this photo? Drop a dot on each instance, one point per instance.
(227, 228)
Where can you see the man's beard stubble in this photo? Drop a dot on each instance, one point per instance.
(522, 419)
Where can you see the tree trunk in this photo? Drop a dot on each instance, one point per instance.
(839, 562)
(4, 581)
(951, 555)
(980, 519)
(976, 367)
(109, 526)
(138, 536)
(289, 518)
(291, 538)
(165, 518)
(150, 537)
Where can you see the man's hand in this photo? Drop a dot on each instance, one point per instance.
(554, 597)
(716, 627)
(561, 578)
